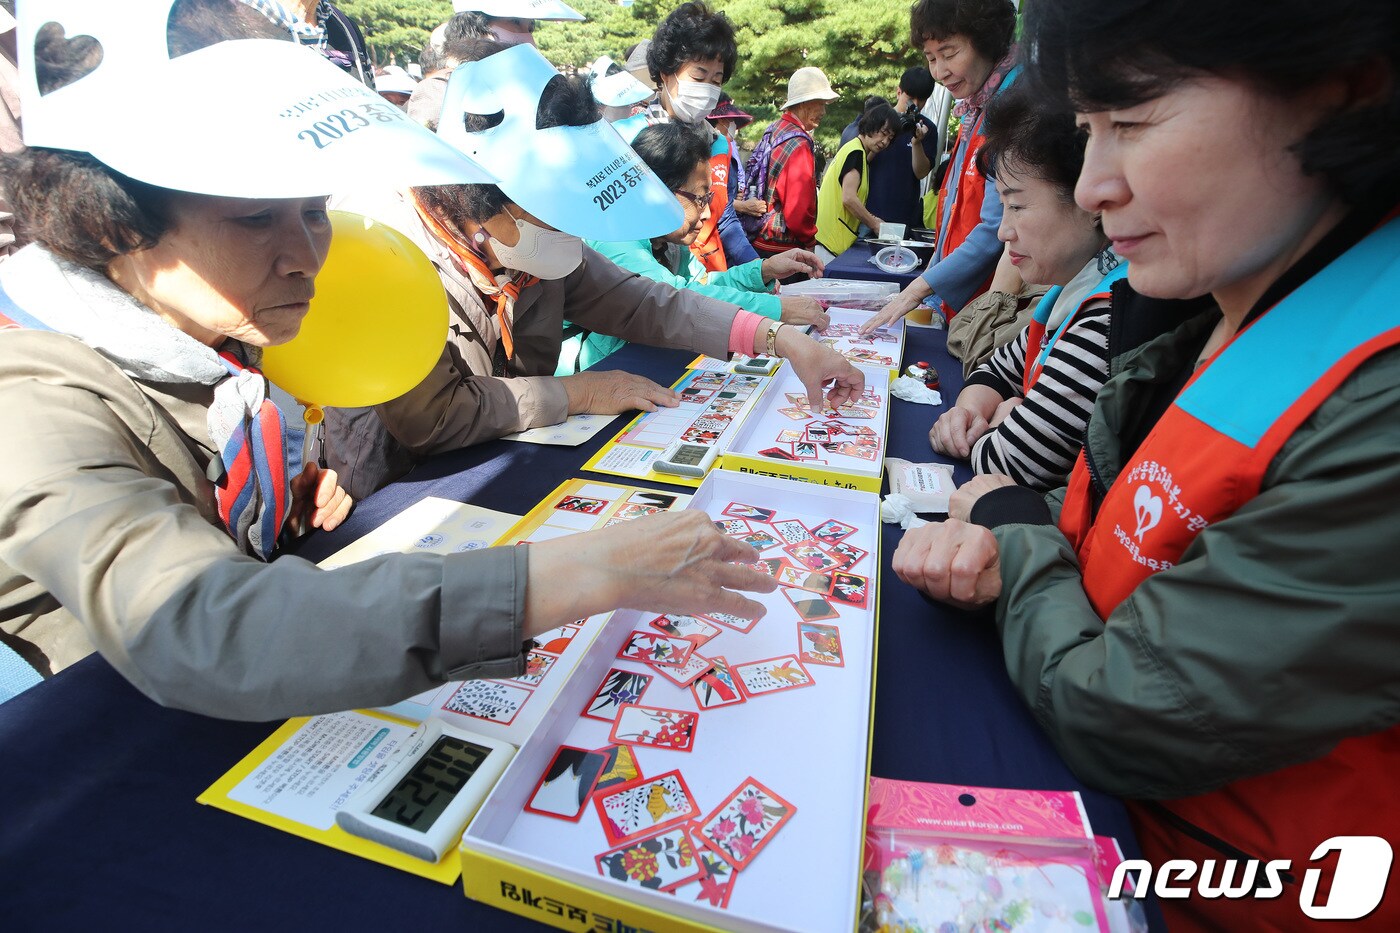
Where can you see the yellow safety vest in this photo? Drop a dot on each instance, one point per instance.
(836, 226)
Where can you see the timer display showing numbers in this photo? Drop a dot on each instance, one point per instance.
(436, 780)
(685, 459)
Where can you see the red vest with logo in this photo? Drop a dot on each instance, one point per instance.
(1204, 460)
(707, 246)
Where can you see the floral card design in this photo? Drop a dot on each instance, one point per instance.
(618, 689)
(655, 648)
(744, 824)
(655, 727)
(660, 863)
(641, 807)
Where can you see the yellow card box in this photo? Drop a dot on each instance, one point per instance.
(806, 742)
(784, 439)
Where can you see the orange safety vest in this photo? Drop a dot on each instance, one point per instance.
(1203, 460)
(1041, 344)
(707, 246)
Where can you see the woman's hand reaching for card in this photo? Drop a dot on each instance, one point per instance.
(673, 562)
(951, 561)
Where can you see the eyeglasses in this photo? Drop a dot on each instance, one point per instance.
(701, 201)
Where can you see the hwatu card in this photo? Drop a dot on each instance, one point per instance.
(804, 579)
(620, 766)
(848, 554)
(811, 607)
(793, 532)
(754, 512)
(563, 789)
(831, 531)
(489, 700)
(811, 556)
(655, 727)
(741, 625)
(537, 665)
(644, 806)
(556, 640)
(745, 824)
(582, 504)
(693, 629)
(618, 689)
(655, 648)
(760, 540)
(717, 686)
(772, 675)
(820, 644)
(851, 589)
(662, 862)
(734, 527)
(685, 674)
(716, 882)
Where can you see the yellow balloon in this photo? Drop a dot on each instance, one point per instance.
(376, 326)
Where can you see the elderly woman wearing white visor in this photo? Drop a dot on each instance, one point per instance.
(148, 481)
(514, 267)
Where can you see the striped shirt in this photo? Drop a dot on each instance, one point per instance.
(1039, 440)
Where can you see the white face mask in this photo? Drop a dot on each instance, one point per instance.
(693, 101)
(546, 254)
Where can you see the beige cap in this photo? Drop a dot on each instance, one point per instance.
(808, 84)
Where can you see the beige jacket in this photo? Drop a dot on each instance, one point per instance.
(469, 397)
(109, 538)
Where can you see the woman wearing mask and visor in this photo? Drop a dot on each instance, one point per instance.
(691, 55)
(514, 268)
(512, 22)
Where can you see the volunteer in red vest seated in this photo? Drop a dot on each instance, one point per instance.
(1020, 417)
(1205, 621)
(968, 45)
(690, 56)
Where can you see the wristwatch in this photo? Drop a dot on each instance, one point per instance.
(771, 348)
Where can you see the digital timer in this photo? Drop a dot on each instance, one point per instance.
(422, 798)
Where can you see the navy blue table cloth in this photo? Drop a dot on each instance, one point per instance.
(855, 263)
(100, 823)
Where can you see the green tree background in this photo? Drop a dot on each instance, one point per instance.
(862, 45)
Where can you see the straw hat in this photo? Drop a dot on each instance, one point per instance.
(808, 84)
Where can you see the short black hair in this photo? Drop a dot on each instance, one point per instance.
(880, 117)
(989, 25)
(917, 83)
(672, 150)
(565, 101)
(1091, 56)
(1024, 135)
(691, 32)
(71, 203)
(873, 100)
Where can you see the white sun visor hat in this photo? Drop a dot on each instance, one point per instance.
(250, 118)
(618, 89)
(583, 180)
(519, 9)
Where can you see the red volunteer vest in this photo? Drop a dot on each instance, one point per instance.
(1203, 460)
(1039, 344)
(707, 246)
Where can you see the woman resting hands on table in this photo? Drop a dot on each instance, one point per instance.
(514, 266)
(145, 490)
(1203, 620)
(1022, 413)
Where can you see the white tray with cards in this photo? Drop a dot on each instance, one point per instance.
(804, 743)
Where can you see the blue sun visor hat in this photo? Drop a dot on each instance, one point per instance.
(583, 180)
(246, 118)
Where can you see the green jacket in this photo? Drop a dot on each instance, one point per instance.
(1272, 639)
(742, 285)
